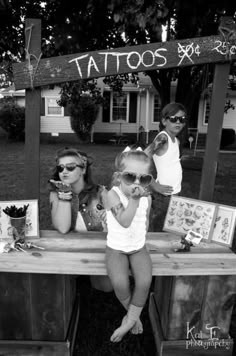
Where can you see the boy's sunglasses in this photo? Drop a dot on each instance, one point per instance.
(174, 119)
(70, 167)
(130, 178)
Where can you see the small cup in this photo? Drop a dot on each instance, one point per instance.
(18, 225)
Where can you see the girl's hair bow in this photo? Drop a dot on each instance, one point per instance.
(127, 149)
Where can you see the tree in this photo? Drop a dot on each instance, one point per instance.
(183, 19)
(77, 26)
(12, 119)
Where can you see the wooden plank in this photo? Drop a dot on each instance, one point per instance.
(34, 348)
(218, 310)
(140, 58)
(184, 295)
(32, 116)
(74, 322)
(15, 311)
(76, 259)
(214, 131)
(51, 311)
(96, 241)
(184, 347)
(162, 296)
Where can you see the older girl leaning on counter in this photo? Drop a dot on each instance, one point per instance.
(76, 202)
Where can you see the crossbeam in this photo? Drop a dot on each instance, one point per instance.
(140, 58)
(84, 254)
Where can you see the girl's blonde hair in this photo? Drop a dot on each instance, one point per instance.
(123, 156)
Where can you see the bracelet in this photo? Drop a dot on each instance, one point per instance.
(65, 196)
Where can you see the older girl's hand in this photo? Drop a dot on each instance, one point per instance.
(61, 186)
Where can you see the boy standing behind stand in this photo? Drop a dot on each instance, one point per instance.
(165, 153)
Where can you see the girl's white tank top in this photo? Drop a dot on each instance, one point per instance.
(168, 166)
(133, 237)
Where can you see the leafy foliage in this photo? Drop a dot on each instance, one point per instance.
(116, 82)
(88, 25)
(12, 119)
(83, 98)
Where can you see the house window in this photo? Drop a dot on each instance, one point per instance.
(120, 105)
(52, 108)
(207, 107)
(156, 108)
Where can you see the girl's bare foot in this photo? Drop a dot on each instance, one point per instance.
(120, 332)
(137, 328)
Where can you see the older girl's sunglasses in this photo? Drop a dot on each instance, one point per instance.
(70, 167)
(130, 178)
(174, 119)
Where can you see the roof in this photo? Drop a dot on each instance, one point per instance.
(11, 91)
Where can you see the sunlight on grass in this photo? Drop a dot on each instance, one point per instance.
(13, 184)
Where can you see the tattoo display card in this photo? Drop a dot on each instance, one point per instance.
(186, 214)
(224, 225)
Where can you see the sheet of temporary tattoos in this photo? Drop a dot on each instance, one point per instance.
(186, 214)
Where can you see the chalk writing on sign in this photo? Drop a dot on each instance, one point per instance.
(140, 58)
(223, 48)
(132, 59)
(105, 62)
(187, 52)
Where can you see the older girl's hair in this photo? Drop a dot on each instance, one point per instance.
(170, 110)
(121, 158)
(85, 161)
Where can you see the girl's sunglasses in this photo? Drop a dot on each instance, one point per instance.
(174, 119)
(70, 167)
(130, 178)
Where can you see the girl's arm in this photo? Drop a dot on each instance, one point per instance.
(123, 215)
(161, 188)
(60, 213)
(148, 211)
(158, 146)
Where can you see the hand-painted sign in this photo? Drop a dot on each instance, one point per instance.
(123, 60)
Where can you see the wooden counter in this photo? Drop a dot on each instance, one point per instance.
(83, 254)
(42, 282)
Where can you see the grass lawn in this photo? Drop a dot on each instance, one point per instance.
(13, 184)
(99, 314)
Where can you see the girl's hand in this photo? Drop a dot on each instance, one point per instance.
(61, 186)
(163, 189)
(138, 192)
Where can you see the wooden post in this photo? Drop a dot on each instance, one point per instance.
(215, 124)
(32, 113)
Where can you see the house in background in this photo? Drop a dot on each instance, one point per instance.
(204, 111)
(133, 113)
(136, 109)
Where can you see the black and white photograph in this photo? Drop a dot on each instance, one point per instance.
(118, 178)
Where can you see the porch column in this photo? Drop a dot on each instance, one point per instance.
(147, 114)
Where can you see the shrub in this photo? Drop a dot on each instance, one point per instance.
(12, 119)
(83, 116)
(83, 99)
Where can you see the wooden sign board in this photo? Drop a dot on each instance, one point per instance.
(139, 58)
